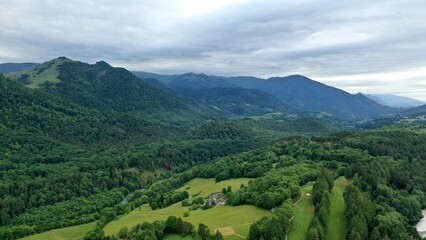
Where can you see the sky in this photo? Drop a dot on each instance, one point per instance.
(372, 46)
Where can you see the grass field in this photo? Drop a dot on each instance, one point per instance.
(303, 212)
(336, 229)
(69, 233)
(235, 221)
(208, 186)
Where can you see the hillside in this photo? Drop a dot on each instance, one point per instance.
(307, 95)
(217, 94)
(298, 92)
(36, 76)
(415, 110)
(102, 87)
(15, 67)
(239, 101)
(70, 157)
(27, 111)
(52, 146)
(56, 148)
(296, 177)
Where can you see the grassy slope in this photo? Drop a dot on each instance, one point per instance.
(207, 186)
(238, 218)
(336, 229)
(50, 74)
(69, 233)
(304, 211)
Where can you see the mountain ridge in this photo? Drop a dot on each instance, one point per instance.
(392, 100)
(103, 87)
(299, 92)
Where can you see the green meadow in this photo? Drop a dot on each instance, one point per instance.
(233, 222)
(206, 186)
(69, 233)
(337, 226)
(303, 213)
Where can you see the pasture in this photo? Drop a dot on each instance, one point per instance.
(69, 233)
(233, 222)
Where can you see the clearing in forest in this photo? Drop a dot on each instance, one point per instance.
(336, 224)
(234, 221)
(303, 213)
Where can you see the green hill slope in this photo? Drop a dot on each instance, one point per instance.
(102, 87)
(34, 112)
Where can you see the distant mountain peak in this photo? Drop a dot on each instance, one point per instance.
(43, 73)
(395, 100)
(103, 64)
(193, 75)
(298, 76)
(295, 78)
(103, 87)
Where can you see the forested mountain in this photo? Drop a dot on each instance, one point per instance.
(218, 94)
(305, 94)
(299, 92)
(415, 110)
(195, 81)
(57, 155)
(238, 101)
(102, 87)
(28, 111)
(15, 67)
(47, 158)
(83, 143)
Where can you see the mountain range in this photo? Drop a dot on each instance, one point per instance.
(104, 88)
(84, 140)
(296, 91)
(184, 98)
(27, 114)
(395, 101)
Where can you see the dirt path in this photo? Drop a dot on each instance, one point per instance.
(302, 195)
(238, 235)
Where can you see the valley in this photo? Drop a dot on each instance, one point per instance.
(101, 154)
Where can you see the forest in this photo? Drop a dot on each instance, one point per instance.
(67, 160)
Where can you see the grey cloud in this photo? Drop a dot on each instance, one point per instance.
(320, 39)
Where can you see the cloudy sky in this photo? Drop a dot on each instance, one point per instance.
(372, 46)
